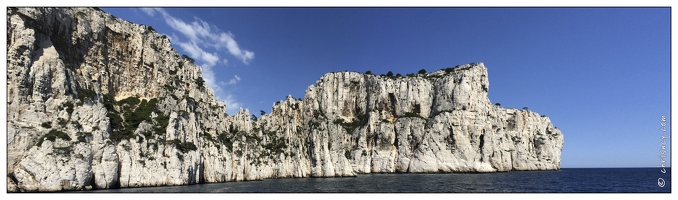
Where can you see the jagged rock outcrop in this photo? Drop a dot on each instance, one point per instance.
(98, 102)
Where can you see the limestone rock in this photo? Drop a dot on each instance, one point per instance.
(97, 102)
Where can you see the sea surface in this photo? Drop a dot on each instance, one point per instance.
(569, 180)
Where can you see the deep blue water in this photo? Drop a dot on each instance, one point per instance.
(571, 180)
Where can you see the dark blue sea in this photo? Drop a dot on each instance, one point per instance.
(571, 180)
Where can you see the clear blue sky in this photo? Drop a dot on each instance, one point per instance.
(601, 74)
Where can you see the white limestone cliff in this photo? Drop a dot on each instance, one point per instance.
(97, 102)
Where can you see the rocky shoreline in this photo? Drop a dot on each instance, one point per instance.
(97, 102)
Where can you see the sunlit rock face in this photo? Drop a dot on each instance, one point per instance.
(436, 122)
(97, 102)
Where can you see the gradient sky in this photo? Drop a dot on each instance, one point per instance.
(601, 74)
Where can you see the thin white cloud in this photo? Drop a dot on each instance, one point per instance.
(236, 78)
(200, 36)
(234, 49)
(148, 11)
(210, 80)
(173, 37)
(232, 106)
(182, 27)
(233, 81)
(194, 51)
(203, 33)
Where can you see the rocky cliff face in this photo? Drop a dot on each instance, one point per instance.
(98, 102)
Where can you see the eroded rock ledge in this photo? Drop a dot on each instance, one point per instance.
(98, 102)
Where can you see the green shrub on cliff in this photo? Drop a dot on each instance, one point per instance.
(85, 94)
(359, 121)
(52, 136)
(183, 146)
(411, 114)
(347, 154)
(126, 115)
(201, 83)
